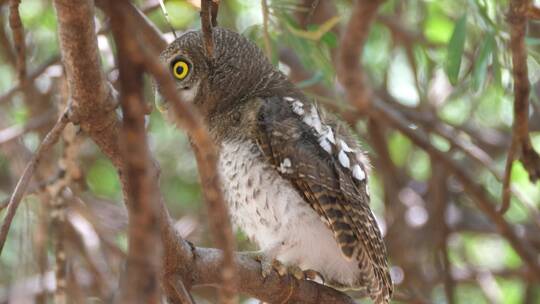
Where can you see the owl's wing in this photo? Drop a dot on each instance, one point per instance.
(330, 175)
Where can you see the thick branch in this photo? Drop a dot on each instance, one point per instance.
(272, 289)
(93, 100)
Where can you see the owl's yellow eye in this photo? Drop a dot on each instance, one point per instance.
(180, 69)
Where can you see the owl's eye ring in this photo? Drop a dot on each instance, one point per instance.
(180, 69)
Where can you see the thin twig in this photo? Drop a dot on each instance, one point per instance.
(17, 195)
(214, 9)
(18, 38)
(506, 182)
(266, 34)
(206, 26)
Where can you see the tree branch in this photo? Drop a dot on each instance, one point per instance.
(517, 18)
(189, 119)
(143, 266)
(207, 9)
(18, 39)
(349, 70)
(93, 99)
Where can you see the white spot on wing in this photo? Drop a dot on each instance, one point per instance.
(358, 173)
(288, 98)
(344, 146)
(325, 145)
(313, 120)
(285, 166)
(298, 107)
(330, 135)
(344, 159)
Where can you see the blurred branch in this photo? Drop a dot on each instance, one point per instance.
(206, 160)
(17, 195)
(16, 26)
(143, 266)
(208, 15)
(349, 71)
(266, 34)
(517, 18)
(217, 210)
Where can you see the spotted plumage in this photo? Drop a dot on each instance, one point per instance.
(294, 179)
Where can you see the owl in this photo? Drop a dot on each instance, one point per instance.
(295, 181)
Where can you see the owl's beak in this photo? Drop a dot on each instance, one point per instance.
(161, 103)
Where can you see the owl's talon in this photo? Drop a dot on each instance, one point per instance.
(313, 275)
(279, 268)
(267, 264)
(297, 273)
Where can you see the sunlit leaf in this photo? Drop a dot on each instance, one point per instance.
(455, 50)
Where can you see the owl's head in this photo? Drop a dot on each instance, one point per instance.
(237, 71)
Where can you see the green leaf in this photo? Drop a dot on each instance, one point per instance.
(456, 46)
(497, 73)
(481, 62)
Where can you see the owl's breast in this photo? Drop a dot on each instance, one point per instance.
(276, 217)
(261, 202)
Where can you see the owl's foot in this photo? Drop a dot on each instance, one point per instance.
(314, 275)
(269, 264)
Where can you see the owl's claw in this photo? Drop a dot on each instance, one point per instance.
(269, 264)
(313, 275)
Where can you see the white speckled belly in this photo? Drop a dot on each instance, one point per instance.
(272, 213)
